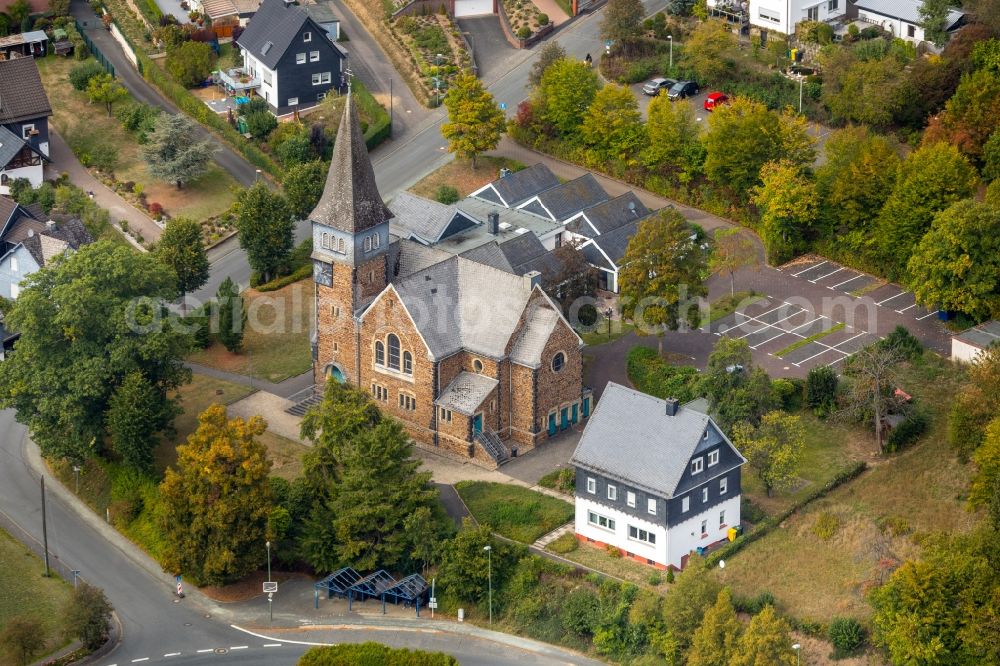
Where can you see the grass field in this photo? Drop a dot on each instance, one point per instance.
(517, 513)
(276, 341)
(27, 593)
(599, 559)
(919, 490)
(459, 174)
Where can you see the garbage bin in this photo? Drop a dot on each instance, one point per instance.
(732, 534)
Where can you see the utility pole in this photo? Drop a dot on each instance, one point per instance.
(45, 532)
(390, 108)
(489, 574)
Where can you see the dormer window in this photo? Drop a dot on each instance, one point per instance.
(713, 457)
(697, 465)
(307, 36)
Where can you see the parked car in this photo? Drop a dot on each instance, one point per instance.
(715, 99)
(683, 89)
(654, 87)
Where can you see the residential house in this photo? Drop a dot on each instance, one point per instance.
(969, 344)
(24, 123)
(654, 479)
(602, 233)
(291, 57)
(29, 240)
(240, 10)
(476, 362)
(781, 16)
(901, 18)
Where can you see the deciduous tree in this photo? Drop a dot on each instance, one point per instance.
(566, 91)
(303, 186)
(733, 249)
(789, 206)
(765, 641)
(24, 637)
(216, 501)
(662, 275)
(985, 489)
(969, 116)
(552, 51)
(773, 449)
(708, 51)
(191, 63)
(934, 20)
(137, 413)
(182, 249)
(715, 640)
(86, 321)
(612, 126)
(173, 152)
(977, 402)
(692, 595)
(956, 265)
(88, 617)
(571, 278)
(475, 121)
(873, 373)
(862, 90)
(103, 89)
(674, 133)
(265, 225)
(622, 20)
(737, 391)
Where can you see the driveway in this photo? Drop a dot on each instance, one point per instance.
(490, 48)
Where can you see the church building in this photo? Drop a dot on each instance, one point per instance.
(476, 362)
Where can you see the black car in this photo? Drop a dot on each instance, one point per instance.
(683, 89)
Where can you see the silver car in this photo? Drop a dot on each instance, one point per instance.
(653, 87)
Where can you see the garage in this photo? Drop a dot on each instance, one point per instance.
(473, 7)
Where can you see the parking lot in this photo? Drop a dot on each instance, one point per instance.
(697, 101)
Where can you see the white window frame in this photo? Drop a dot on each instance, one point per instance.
(651, 506)
(713, 457)
(595, 519)
(307, 36)
(704, 494)
(15, 290)
(612, 492)
(300, 58)
(685, 505)
(591, 485)
(314, 56)
(630, 498)
(722, 518)
(13, 265)
(697, 465)
(704, 527)
(321, 78)
(26, 131)
(636, 534)
(723, 485)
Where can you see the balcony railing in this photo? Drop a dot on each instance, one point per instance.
(237, 80)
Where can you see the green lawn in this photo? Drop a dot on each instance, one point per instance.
(517, 513)
(599, 559)
(881, 513)
(600, 335)
(27, 593)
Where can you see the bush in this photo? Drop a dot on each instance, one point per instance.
(821, 389)
(81, 74)
(790, 392)
(638, 71)
(903, 341)
(655, 578)
(300, 273)
(613, 550)
(260, 124)
(255, 105)
(363, 654)
(826, 526)
(523, 32)
(847, 636)
(907, 432)
(670, 576)
(567, 543)
(753, 605)
(543, 19)
(651, 374)
(563, 480)
(446, 194)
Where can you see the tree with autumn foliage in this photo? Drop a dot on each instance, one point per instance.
(970, 116)
(773, 448)
(216, 501)
(789, 207)
(612, 126)
(714, 642)
(766, 641)
(733, 249)
(475, 122)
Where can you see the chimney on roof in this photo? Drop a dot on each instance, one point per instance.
(493, 222)
(672, 405)
(534, 277)
(50, 225)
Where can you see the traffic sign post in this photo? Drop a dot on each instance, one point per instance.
(270, 586)
(270, 611)
(503, 106)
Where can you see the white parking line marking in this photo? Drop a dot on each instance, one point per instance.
(809, 269)
(239, 647)
(929, 314)
(846, 281)
(768, 340)
(272, 644)
(905, 309)
(203, 651)
(806, 360)
(823, 277)
(892, 297)
(757, 317)
(136, 661)
(172, 654)
(845, 342)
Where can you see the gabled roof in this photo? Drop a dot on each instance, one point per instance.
(466, 392)
(906, 10)
(427, 220)
(491, 255)
(517, 187)
(351, 201)
(10, 145)
(22, 96)
(273, 29)
(538, 327)
(7, 209)
(614, 243)
(45, 242)
(560, 202)
(630, 437)
(609, 215)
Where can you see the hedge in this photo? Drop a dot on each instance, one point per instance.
(651, 374)
(300, 273)
(372, 654)
(741, 542)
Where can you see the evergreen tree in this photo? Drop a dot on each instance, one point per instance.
(264, 221)
(182, 248)
(475, 122)
(232, 315)
(173, 152)
(766, 642)
(714, 642)
(137, 412)
(691, 596)
(216, 502)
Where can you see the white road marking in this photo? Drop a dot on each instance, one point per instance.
(136, 661)
(172, 654)
(823, 277)
(905, 309)
(768, 340)
(239, 647)
(272, 644)
(271, 638)
(845, 342)
(203, 651)
(809, 269)
(806, 360)
(929, 314)
(846, 281)
(892, 297)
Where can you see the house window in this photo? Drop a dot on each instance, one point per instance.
(408, 363)
(723, 486)
(393, 343)
(612, 492)
(446, 415)
(769, 15)
(321, 78)
(26, 131)
(340, 246)
(832, 5)
(722, 519)
(335, 310)
(704, 495)
(407, 402)
(13, 264)
(911, 31)
(591, 485)
(375, 241)
(300, 58)
(379, 353)
(704, 528)
(713, 457)
(336, 346)
(812, 14)
(597, 520)
(630, 498)
(637, 534)
(325, 242)
(651, 506)
(15, 289)
(314, 56)
(307, 36)
(381, 393)
(697, 465)
(558, 361)
(292, 101)
(685, 504)
(368, 244)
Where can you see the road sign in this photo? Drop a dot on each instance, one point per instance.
(432, 605)
(270, 586)
(503, 106)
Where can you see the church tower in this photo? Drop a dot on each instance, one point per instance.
(350, 230)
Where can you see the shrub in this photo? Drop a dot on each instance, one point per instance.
(846, 635)
(543, 19)
(750, 512)
(907, 432)
(613, 550)
(821, 389)
(523, 32)
(826, 526)
(639, 71)
(651, 374)
(789, 391)
(567, 543)
(670, 576)
(81, 74)
(255, 105)
(446, 194)
(754, 605)
(156, 210)
(655, 578)
(372, 653)
(903, 341)
(260, 124)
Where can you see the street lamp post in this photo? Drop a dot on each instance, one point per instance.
(798, 651)
(607, 314)
(802, 79)
(489, 574)
(270, 608)
(256, 176)
(670, 38)
(76, 476)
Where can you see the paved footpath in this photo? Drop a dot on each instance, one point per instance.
(63, 160)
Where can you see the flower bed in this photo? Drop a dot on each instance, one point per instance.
(435, 47)
(524, 17)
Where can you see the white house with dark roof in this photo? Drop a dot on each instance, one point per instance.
(655, 479)
(901, 18)
(24, 123)
(969, 344)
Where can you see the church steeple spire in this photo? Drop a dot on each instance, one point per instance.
(351, 201)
